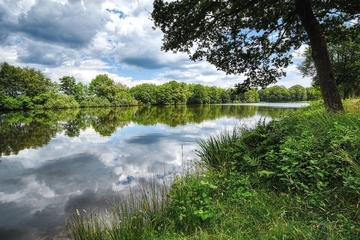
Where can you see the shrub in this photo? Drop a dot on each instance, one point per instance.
(11, 103)
(190, 203)
(61, 101)
(95, 102)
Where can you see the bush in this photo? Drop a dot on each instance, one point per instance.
(190, 203)
(123, 99)
(95, 102)
(61, 101)
(308, 153)
(11, 103)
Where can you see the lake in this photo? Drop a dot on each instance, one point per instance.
(53, 162)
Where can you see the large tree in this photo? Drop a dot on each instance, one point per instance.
(344, 51)
(15, 81)
(255, 38)
(103, 86)
(68, 85)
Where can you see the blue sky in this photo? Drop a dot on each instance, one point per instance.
(84, 38)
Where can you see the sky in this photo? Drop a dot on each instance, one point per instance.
(84, 38)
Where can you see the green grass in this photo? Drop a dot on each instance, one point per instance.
(297, 177)
(130, 217)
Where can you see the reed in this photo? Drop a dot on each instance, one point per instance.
(134, 216)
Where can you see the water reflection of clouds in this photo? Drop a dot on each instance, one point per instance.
(42, 186)
(35, 193)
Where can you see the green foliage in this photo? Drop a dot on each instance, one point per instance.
(225, 96)
(15, 81)
(218, 149)
(178, 92)
(144, 93)
(103, 86)
(309, 153)
(251, 96)
(313, 94)
(10, 84)
(199, 94)
(298, 93)
(295, 93)
(61, 101)
(95, 101)
(20, 102)
(234, 186)
(275, 94)
(11, 103)
(190, 203)
(163, 96)
(67, 85)
(123, 98)
(174, 93)
(80, 92)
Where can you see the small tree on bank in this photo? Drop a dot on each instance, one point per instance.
(256, 38)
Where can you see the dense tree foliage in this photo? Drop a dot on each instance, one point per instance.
(68, 85)
(295, 93)
(144, 93)
(18, 86)
(256, 38)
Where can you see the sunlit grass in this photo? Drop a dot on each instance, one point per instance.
(215, 151)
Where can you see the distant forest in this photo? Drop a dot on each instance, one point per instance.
(28, 88)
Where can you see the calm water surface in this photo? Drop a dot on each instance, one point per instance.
(53, 162)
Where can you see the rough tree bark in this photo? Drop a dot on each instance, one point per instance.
(320, 54)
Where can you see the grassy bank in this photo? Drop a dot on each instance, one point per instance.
(297, 177)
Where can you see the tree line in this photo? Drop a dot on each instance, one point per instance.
(28, 88)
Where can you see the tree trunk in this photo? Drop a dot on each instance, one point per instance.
(320, 54)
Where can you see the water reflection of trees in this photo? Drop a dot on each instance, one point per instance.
(33, 129)
(273, 112)
(25, 130)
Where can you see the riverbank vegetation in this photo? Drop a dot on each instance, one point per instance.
(297, 177)
(28, 88)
